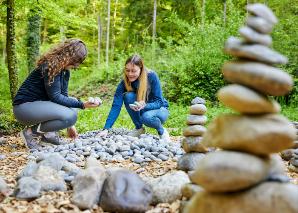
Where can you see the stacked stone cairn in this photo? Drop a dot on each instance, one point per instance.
(291, 155)
(191, 143)
(245, 176)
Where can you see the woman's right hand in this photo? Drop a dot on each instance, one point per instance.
(103, 133)
(89, 104)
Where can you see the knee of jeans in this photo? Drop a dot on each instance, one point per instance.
(146, 117)
(71, 118)
(129, 97)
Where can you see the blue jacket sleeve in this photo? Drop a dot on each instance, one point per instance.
(116, 106)
(155, 98)
(55, 95)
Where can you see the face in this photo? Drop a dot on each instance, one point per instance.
(132, 72)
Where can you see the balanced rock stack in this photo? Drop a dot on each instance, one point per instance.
(291, 154)
(245, 176)
(191, 143)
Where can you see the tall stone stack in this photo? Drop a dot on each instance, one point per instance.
(245, 176)
(191, 142)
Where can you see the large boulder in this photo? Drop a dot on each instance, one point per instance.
(87, 185)
(263, 78)
(227, 171)
(167, 188)
(125, 191)
(268, 197)
(246, 101)
(260, 135)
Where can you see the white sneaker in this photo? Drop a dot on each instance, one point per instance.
(165, 136)
(137, 132)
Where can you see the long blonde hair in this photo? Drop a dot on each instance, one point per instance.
(143, 81)
(70, 52)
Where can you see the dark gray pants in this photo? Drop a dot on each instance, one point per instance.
(51, 116)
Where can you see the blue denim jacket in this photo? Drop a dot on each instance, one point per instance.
(155, 98)
(37, 88)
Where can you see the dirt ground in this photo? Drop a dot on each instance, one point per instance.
(52, 202)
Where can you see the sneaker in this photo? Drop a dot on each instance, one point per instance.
(30, 139)
(51, 138)
(165, 136)
(136, 132)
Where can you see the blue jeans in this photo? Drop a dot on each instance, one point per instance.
(152, 118)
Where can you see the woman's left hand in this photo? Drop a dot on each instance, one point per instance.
(72, 132)
(140, 105)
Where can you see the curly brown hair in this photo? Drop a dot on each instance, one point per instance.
(70, 52)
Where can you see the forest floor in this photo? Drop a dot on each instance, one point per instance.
(52, 202)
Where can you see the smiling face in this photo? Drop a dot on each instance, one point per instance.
(132, 72)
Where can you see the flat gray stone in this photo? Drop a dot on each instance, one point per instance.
(263, 11)
(227, 171)
(260, 135)
(259, 24)
(263, 78)
(124, 191)
(253, 36)
(268, 197)
(247, 101)
(196, 119)
(236, 47)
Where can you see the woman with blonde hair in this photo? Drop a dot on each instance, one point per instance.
(42, 101)
(141, 92)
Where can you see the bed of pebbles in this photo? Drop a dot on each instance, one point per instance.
(117, 146)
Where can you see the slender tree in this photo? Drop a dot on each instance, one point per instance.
(154, 21)
(10, 49)
(224, 12)
(99, 33)
(203, 12)
(33, 37)
(108, 33)
(114, 29)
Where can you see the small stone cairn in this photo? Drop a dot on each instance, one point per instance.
(291, 155)
(191, 143)
(245, 176)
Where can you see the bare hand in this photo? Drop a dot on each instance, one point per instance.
(103, 133)
(139, 106)
(72, 132)
(89, 104)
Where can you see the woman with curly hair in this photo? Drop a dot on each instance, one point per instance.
(42, 102)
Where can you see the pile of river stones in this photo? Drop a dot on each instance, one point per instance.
(117, 146)
(291, 155)
(245, 176)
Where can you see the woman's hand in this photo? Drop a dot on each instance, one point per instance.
(138, 106)
(89, 104)
(93, 102)
(72, 132)
(103, 133)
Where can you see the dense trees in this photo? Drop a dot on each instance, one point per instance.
(183, 41)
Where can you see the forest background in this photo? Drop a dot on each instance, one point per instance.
(182, 40)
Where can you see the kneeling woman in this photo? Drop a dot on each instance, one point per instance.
(143, 86)
(42, 101)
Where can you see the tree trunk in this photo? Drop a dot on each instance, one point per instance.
(33, 38)
(114, 29)
(203, 12)
(225, 13)
(108, 33)
(10, 48)
(99, 33)
(154, 21)
(44, 31)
